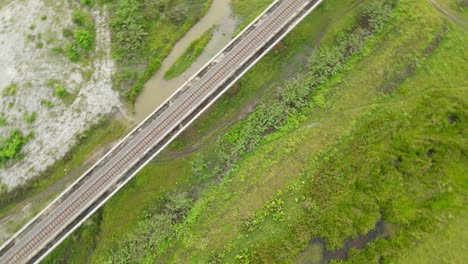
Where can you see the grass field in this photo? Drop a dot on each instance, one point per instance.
(384, 136)
(446, 245)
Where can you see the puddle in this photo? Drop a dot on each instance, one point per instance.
(316, 253)
(157, 89)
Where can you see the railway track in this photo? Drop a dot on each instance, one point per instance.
(32, 244)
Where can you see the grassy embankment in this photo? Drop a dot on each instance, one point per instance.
(192, 52)
(143, 33)
(356, 148)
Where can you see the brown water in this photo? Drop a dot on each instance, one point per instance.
(316, 253)
(157, 89)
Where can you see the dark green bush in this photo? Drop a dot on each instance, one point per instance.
(83, 38)
(130, 32)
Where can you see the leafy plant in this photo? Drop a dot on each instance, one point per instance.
(71, 52)
(30, 118)
(80, 18)
(10, 89)
(83, 38)
(11, 146)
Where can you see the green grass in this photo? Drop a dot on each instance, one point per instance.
(246, 11)
(192, 52)
(163, 176)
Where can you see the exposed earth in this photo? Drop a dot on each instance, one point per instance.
(31, 66)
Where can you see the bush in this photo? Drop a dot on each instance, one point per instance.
(11, 146)
(130, 32)
(80, 18)
(83, 38)
(47, 103)
(71, 52)
(10, 89)
(60, 91)
(376, 14)
(87, 2)
(30, 118)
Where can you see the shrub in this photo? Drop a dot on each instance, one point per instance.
(43, 17)
(87, 2)
(47, 103)
(60, 91)
(30, 118)
(11, 146)
(80, 18)
(83, 38)
(39, 45)
(128, 25)
(10, 89)
(67, 32)
(71, 52)
(376, 14)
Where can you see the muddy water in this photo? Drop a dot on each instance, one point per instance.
(316, 253)
(157, 89)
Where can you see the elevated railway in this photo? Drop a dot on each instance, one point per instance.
(118, 166)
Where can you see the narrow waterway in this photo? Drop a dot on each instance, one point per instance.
(157, 89)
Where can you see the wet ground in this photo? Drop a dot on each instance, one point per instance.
(316, 252)
(157, 89)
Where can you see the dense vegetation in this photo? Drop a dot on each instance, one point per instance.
(10, 147)
(143, 33)
(373, 128)
(79, 38)
(192, 52)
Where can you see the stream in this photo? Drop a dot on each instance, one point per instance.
(158, 89)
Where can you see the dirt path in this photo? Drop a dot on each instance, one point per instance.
(449, 14)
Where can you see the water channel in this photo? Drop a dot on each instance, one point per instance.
(157, 89)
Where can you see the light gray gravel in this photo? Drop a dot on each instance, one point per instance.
(21, 62)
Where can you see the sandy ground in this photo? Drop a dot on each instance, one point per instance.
(21, 62)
